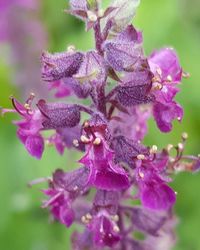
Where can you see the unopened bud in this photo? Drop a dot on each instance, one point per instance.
(116, 229)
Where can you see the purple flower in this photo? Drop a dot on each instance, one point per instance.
(29, 128)
(164, 114)
(103, 222)
(167, 74)
(63, 190)
(104, 173)
(153, 191)
(123, 88)
(165, 65)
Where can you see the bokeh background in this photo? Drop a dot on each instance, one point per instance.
(23, 224)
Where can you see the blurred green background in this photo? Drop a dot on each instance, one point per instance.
(23, 224)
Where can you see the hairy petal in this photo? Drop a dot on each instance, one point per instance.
(60, 65)
(59, 115)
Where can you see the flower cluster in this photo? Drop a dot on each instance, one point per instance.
(120, 192)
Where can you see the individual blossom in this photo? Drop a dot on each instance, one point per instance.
(104, 173)
(167, 74)
(151, 178)
(29, 127)
(63, 190)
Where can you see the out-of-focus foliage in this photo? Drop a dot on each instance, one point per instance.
(24, 225)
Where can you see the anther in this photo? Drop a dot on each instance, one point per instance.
(75, 143)
(116, 229)
(86, 124)
(115, 218)
(84, 220)
(84, 139)
(75, 188)
(180, 146)
(185, 74)
(156, 79)
(159, 71)
(153, 149)
(184, 136)
(88, 216)
(169, 78)
(97, 141)
(141, 174)
(27, 106)
(169, 147)
(157, 86)
(140, 157)
(71, 48)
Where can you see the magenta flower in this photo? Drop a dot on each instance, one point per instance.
(29, 127)
(167, 74)
(104, 173)
(153, 190)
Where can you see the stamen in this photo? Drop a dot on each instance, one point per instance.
(116, 229)
(140, 157)
(84, 139)
(154, 149)
(159, 71)
(71, 48)
(141, 174)
(115, 218)
(86, 124)
(186, 74)
(91, 16)
(75, 143)
(169, 78)
(75, 188)
(169, 147)
(180, 146)
(97, 141)
(88, 216)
